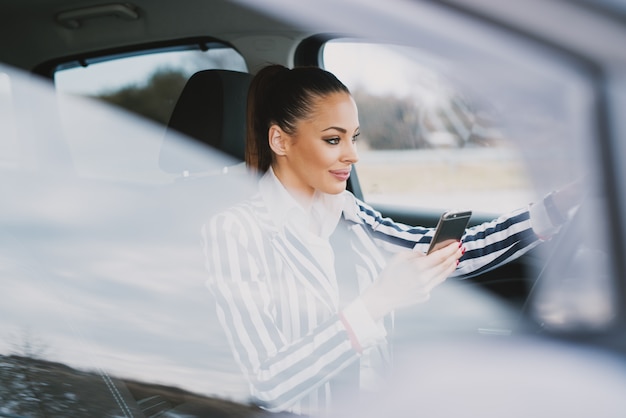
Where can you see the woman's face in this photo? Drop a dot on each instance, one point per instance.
(320, 155)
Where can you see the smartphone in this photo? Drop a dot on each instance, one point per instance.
(450, 227)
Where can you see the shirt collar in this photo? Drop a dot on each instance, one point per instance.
(321, 217)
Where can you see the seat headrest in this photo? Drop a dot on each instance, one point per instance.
(211, 109)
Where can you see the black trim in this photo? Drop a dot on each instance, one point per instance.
(48, 68)
(354, 185)
(309, 51)
(610, 162)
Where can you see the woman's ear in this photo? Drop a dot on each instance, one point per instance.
(277, 139)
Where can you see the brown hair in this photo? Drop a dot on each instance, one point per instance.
(282, 96)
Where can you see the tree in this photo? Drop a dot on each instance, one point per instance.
(388, 122)
(155, 100)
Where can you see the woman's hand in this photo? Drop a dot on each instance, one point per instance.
(569, 196)
(409, 278)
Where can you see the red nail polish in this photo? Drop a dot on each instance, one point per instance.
(457, 262)
(462, 250)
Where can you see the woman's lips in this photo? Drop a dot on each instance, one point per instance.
(341, 174)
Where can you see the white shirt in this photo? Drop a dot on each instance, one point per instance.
(314, 226)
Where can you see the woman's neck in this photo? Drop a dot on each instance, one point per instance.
(301, 195)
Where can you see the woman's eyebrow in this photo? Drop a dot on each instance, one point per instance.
(342, 130)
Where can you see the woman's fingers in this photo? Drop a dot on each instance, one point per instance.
(410, 277)
(438, 265)
(444, 257)
(449, 250)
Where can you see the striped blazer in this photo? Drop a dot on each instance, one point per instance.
(280, 312)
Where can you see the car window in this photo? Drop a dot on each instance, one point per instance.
(425, 143)
(106, 310)
(148, 85)
(106, 277)
(438, 133)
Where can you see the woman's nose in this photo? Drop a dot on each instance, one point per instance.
(350, 153)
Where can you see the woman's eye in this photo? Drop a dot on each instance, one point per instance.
(333, 141)
(355, 136)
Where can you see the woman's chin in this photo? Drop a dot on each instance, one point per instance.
(336, 189)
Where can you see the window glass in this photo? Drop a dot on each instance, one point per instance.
(425, 142)
(147, 85)
(108, 314)
(442, 130)
(8, 139)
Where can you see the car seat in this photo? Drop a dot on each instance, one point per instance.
(212, 110)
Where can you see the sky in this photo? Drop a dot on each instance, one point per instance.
(390, 77)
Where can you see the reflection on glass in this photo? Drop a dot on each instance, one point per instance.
(8, 140)
(491, 131)
(107, 303)
(34, 387)
(576, 291)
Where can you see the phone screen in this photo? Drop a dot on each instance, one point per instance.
(450, 227)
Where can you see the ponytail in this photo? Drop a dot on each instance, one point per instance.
(258, 118)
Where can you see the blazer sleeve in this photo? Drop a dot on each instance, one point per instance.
(280, 371)
(487, 245)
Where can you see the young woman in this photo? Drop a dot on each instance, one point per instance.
(306, 275)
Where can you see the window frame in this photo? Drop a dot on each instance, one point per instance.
(48, 68)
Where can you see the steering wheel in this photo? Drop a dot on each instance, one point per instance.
(572, 284)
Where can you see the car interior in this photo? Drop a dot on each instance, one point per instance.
(211, 106)
(64, 42)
